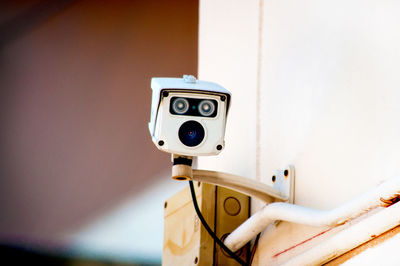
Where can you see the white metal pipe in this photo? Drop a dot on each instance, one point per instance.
(349, 238)
(303, 215)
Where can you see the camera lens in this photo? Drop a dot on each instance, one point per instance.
(180, 106)
(206, 107)
(191, 133)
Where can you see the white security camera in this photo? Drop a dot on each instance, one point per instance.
(188, 116)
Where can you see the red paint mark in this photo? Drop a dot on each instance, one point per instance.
(301, 243)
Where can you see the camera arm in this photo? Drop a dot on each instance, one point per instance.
(282, 190)
(244, 185)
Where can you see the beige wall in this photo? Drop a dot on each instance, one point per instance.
(314, 84)
(75, 99)
(228, 50)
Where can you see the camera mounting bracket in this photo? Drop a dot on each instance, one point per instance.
(282, 179)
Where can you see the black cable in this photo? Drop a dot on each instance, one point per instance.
(209, 230)
(253, 251)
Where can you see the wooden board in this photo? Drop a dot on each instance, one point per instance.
(186, 242)
(358, 250)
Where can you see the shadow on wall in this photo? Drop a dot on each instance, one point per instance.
(75, 102)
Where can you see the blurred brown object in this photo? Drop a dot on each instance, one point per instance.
(75, 102)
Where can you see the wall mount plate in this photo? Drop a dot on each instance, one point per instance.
(283, 180)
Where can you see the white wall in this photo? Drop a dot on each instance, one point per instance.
(228, 56)
(328, 94)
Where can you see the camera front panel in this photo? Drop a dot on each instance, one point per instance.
(191, 123)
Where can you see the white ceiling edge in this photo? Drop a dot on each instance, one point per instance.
(132, 231)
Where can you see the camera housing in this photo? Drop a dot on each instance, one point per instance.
(188, 116)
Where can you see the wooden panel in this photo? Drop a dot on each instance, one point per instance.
(186, 242)
(232, 210)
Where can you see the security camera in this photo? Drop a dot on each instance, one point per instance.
(188, 116)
